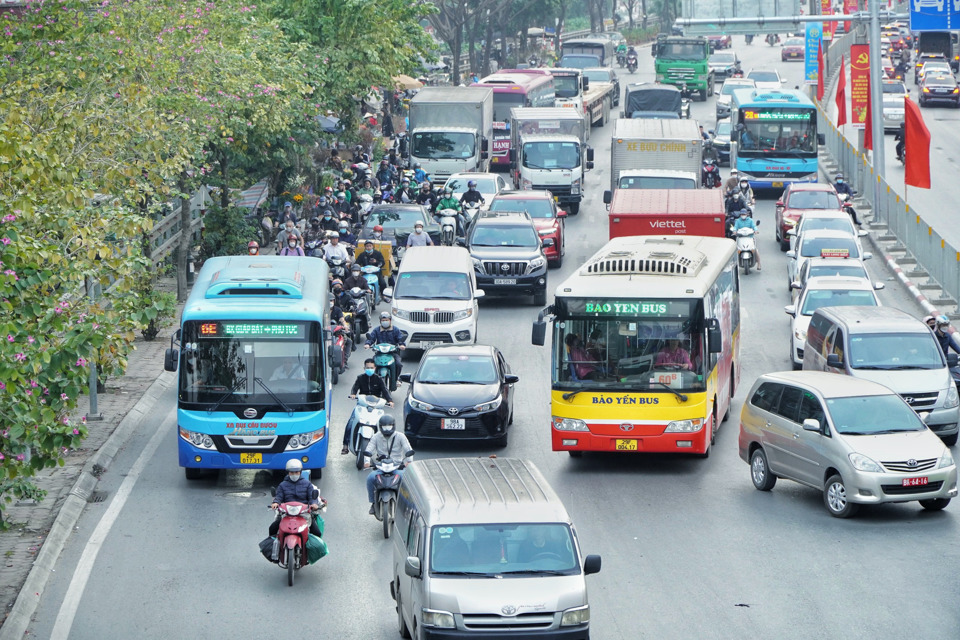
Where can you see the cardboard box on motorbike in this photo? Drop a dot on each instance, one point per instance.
(385, 248)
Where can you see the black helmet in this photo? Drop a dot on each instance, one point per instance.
(387, 425)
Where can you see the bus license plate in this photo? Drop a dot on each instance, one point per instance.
(504, 281)
(251, 458)
(915, 482)
(454, 423)
(777, 185)
(626, 445)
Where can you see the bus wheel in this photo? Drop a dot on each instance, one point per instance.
(193, 473)
(714, 425)
(575, 454)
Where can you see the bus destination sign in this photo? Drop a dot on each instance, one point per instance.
(251, 330)
(628, 308)
(777, 114)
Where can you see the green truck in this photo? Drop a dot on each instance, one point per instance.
(683, 60)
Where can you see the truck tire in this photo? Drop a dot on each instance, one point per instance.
(574, 208)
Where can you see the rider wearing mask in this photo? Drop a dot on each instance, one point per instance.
(341, 206)
(295, 488)
(843, 187)
(385, 174)
(355, 279)
(288, 214)
(329, 221)
(288, 230)
(370, 256)
(471, 195)
(747, 192)
(406, 193)
(334, 249)
(939, 327)
(391, 444)
(253, 248)
(745, 221)
(418, 238)
(314, 232)
(367, 383)
(346, 237)
(427, 197)
(292, 247)
(418, 173)
(448, 201)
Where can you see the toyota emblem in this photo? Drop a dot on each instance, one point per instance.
(250, 413)
(626, 426)
(911, 463)
(504, 267)
(508, 610)
(453, 411)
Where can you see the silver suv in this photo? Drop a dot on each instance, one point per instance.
(855, 440)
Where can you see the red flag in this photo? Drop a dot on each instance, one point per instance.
(820, 70)
(841, 96)
(916, 146)
(868, 122)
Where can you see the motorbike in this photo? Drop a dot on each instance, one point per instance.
(622, 60)
(338, 267)
(846, 203)
(339, 353)
(685, 100)
(313, 248)
(448, 226)
(385, 489)
(366, 417)
(370, 274)
(748, 38)
(290, 545)
(710, 173)
(734, 201)
(632, 62)
(746, 248)
(386, 357)
(366, 203)
(772, 39)
(360, 323)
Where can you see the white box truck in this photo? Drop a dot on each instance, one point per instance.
(548, 151)
(451, 129)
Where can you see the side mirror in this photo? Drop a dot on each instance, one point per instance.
(877, 286)
(387, 294)
(484, 155)
(862, 233)
(811, 424)
(780, 203)
(273, 492)
(796, 286)
(548, 242)
(315, 494)
(607, 196)
(461, 241)
(406, 377)
(821, 138)
(792, 232)
(590, 154)
(512, 155)
(791, 254)
(790, 310)
(484, 145)
(714, 336)
(586, 83)
(412, 567)
(539, 333)
(513, 379)
(561, 213)
(589, 165)
(833, 360)
(591, 564)
(867, 255)
(952, 360)
(409, 453)
(170, 358)
(478, 293)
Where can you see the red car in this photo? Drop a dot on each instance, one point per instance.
(548, 218)
(798, 198)
(792, 49)
(722, 41)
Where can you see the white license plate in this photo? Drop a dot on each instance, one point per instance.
(427, 345)
(504, 281)
(454, 423)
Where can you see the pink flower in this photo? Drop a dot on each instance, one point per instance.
(5, 240)
(9, 217)
(29, 392)
(34, 384)
(30, 339)
(10, 338)
(76, 432)
(20, 457)
(20, 357)
(3, 386)
(81, 362)
(64, 396)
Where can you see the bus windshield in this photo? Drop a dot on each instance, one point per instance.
(444, 145)
(632, 353)
(503, 102)
(791, 132)
(251, 363)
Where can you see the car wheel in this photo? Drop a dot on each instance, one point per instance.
(763, 480)
(934, 504)
(836, 498)
(556, 264)
(501, 441)
(950, 440)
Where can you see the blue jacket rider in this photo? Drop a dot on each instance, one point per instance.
(295, 488)
(745, 221)
(387, 333)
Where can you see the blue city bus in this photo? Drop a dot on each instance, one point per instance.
(252, 390)
(777, 143)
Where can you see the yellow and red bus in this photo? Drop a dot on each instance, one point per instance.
(646, 346)
(513, 89)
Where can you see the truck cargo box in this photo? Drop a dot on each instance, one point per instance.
(646, 212)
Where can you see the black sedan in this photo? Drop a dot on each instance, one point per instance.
(939, 88)
(605, 74)
(459, 393)
(397, 221)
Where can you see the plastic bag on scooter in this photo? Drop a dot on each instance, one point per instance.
(316, 548)
(266, 548)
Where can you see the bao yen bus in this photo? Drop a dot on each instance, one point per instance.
(513, 89)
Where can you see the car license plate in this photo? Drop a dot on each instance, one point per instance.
(251, 458)
(915, 482)
(627, 445)
(427, 345)
(458, 424)
(504, 281)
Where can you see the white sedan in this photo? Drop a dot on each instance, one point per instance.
(827, 219)
(488, 184)
(823, 243)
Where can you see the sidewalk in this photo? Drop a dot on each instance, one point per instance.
(31, 523)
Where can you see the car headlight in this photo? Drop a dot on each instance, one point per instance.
(489, 406)
(399, 313)
(441, 619)
(462, 315)
(575, 616)
(946, 460)
(536, 263)
(526, 185)
(684, 426)
(569, 424)
(861, 462)
(953, 399)
(419, 406)
(304, 440)
(478, 266)
(575, 187)
(789, 222)
(800, 334)
(199, 440)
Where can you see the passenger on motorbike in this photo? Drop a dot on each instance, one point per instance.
(293, 247)
(406, 193)
(418, 238)
(288, 230)
(367, 383)
(295, 488)
(334, 249)
(389, 443)
(745, 221)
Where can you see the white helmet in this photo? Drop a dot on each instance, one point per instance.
(294, 466)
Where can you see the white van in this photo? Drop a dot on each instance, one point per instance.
(435, 297)
(889, 346)
(483, 547)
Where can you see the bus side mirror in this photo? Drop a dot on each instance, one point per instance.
(821, 138)
(714, 337)
(513, 155)
(589, 154)
(539, 333)
(607, 196)
(170, 358)
(484, 145)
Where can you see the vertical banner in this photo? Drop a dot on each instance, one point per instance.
(859, 84)
(826, 9)
(812, 45)
(849, 7)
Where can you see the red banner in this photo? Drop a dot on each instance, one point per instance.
(859, 84)
(849, 6)
(826, 9)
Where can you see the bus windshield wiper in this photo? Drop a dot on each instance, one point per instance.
(276, 399)
(216, 405)
(679, 395)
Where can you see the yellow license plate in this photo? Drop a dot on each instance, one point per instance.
(626, 445)
(251, 458)
(777, 185)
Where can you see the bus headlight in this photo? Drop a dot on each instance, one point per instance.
(684, 426)
(199, 440)
(441, 619)
(303, 440)
(569, 424)
(575, 616)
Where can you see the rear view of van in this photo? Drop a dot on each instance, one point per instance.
(484, 548)
(889, 346)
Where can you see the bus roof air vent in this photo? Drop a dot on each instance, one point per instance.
(683, 261)
(247, 282)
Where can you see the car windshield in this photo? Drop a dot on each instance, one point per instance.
(729, 87)
(464, 369)
(484, 185)
(816, 298)
(551, 155)
(579, 61)
(813, 200)
(597, 75)
(432, 285)
(723, 129)
(681, 51)
(723, 58)
(536, 207)
(509, 236)
(895, 351)
(832, 247)
(392, 219)
(872, 415)
(833, 224)
(764, 76)
(503, 549)
(853, 270)
(940, 80)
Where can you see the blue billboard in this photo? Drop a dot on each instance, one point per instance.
(934, 15)
(812, 41)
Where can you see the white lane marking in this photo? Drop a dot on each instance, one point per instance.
(71, 601)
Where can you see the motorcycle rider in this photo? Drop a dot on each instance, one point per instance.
(371, 257)
(253, 248)
(418, 238)
(843, 187)
(293, 247)
(901, 137)
(386, 174)
(355, 279)
(744, 186)
(334, 249)
(386, 333)
(314, 232)
(745, 221)
(406, 193)
(448, 201)
(287, 230)
(347, 238)
(367, 383)
(939, 327)
(329, 221)
(377, 232)
(295, 488)
(288, 214)
(341, 206)
(732, 182)
(622, 53)
(419, 175)
(391, 444)
(632, 57)
(427, 197)
(471, 194)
